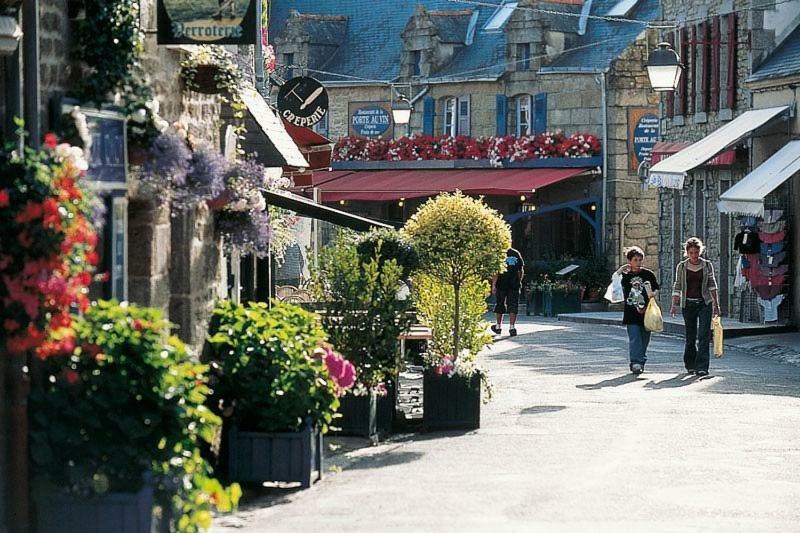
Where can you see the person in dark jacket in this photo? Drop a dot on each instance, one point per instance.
(506, 287)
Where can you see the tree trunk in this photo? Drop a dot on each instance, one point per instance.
(456, 321)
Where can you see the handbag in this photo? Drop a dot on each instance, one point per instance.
(716, 328)
(614, 292)
(653, 321)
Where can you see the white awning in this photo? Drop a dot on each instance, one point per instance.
(747, 196)
(670, 172)
(272, 127)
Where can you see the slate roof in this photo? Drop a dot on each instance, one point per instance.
(325, 30)
(783, 61)
(452, 25)
(372, 46)
(604, 40)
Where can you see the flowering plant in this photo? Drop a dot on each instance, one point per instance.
(47, 246)
(128, 400)
(270, 373)
(342, 371)
(444, 147)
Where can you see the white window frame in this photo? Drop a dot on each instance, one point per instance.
(464, 120)
(500, 16)
(524, 105)
(450, 124)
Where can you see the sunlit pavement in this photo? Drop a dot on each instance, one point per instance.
(573, 442)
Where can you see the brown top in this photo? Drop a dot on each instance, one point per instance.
(694, 283)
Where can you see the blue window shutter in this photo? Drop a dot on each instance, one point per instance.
(428, 112)
(540, 113)
(502, 114)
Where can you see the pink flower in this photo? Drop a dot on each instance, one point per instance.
(341, 371)
(4, 199)
(50, 140)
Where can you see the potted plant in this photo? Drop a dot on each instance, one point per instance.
(118, 421)
(460, 241)
(277, 387)
(363, 317)
(212, 70)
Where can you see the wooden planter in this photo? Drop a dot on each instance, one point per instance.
(369, 416)
(258, 457)
(451, 402)
(564, 302)
(203, 80)
(61, 512)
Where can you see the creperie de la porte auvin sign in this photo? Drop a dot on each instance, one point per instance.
(370, 121)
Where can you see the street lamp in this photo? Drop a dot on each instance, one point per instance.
(401, 110)
(664, 68)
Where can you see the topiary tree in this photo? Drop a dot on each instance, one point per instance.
(458, 238)
(392, 245)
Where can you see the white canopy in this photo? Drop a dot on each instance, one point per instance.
(747, 196)
(272, 127)
(670, 172)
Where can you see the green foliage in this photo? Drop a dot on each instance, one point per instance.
(458, 238)
(592, 274)
(363, 316)
(392, 245)
(268, 376)
(110, 41)
(435, 302)
(128, 400)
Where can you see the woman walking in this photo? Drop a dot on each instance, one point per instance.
(695, 291)
(639, 284)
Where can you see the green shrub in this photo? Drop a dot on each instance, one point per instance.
(128, 400)
(268, 377)
(391, 245)
(363, 316)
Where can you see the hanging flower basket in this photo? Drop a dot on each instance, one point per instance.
(203, 79)
(137, 154)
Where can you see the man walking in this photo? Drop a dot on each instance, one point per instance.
(506, 287)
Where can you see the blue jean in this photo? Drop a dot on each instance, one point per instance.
(696, 352)
(638, 338)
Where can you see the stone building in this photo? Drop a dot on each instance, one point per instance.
(721, 44)
(517, 68)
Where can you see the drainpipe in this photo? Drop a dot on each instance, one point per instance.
(603, 215)
(622, 233)
(30, 58)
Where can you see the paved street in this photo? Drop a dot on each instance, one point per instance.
(572, 442)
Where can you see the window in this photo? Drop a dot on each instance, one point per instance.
(622, 8)
(456, 116)
(500, 16)
(523, 115)
(321, 127)
(416, 61)
(523, 56)
(288, 61)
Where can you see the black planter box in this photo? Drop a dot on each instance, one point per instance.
(258, 457)
(61, 512)
(451, 402)
(368, 416)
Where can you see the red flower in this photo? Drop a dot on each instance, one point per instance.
(50, 140)
(3, 198)
(71, 376)
(32, 211)
(92, 258)
(52, 218)
(11, 325)
(137, 325)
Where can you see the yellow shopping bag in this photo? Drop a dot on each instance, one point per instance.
(716, 328)
(653, 321)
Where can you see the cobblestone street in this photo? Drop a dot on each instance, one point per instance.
(573, 442)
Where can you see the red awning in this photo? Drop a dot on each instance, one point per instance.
(314, 147)
(387, 185)
(662, 150)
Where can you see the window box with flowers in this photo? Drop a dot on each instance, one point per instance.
(277, 386)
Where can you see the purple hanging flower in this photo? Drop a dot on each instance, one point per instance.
(169, 162)
(205, 179)
(250, 231)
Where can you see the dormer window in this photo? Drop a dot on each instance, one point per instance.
(622, 8)
(416, 62)
(523, 56)
(500, 16)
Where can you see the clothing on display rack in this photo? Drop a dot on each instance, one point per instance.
(740, 280)
(770, 307)
(768, 292)
(773, 227)
(771, 238)
(772, 215)
(771, 248)
(772, 271)
(746, 241)
(772, 260)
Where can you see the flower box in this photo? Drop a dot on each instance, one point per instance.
(258, 457)
(535, 302)
(562, 301)
(451, 402)
(369, 416)
(62, 512)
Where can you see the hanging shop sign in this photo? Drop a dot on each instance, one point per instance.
(302, 101)
(372, 121)
(207, 22)
(644, 128)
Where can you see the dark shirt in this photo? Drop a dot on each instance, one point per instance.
(747, 242)
(636, 295)
(694, 283)
(510, 279)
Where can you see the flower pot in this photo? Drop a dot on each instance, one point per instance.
(220, 201)
(370, 416)
(62, 512)
(137, 155)
(203, 79)
(451, 402)
(255, 457)
(535, 302)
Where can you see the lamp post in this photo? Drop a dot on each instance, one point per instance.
(401, 113)
(664, 68)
